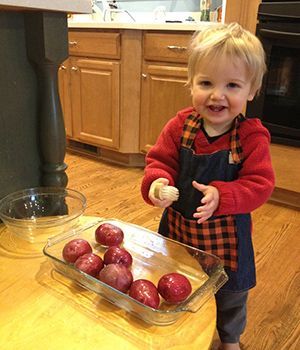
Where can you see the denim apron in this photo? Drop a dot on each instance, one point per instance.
(227, 236)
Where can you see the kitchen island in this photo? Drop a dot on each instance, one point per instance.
(33, 40)
(41, 309)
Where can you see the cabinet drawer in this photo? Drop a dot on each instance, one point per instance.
(104, 45)
(166, 47)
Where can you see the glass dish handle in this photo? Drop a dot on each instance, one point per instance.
(61, 236)
(193, 306)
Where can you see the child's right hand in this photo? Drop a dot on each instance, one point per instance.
(157, 202)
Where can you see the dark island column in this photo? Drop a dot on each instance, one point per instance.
(47, 48)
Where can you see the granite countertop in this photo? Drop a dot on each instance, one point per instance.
(74, 6)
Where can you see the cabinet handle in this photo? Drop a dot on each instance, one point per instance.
(144, 76)
(62, 67)
(74, 69)
(177, 48)
(72, 43)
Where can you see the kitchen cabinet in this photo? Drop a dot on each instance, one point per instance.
(90, 88)
(100, 90)
(164, 74)
(119, 88)
(95, 101)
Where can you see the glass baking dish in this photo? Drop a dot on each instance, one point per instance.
(153, 256)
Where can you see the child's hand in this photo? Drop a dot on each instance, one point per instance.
(210, 202)
(157, 202)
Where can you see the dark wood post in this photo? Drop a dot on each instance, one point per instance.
(47, 48)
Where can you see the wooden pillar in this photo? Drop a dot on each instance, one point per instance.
(244, 12)
(47, 47)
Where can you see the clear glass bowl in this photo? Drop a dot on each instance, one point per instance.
(35, 214)
(153, 256)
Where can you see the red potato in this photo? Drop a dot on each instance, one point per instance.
(117, 255)
(76, 248)
(109, 235)
(89, 263)
(145, 292)
(174, 287)
(117, 276)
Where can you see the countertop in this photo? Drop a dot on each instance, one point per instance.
(140, 20)
(185, 26)
(41, 309)
(75, 6)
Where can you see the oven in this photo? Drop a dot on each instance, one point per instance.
(278, 104)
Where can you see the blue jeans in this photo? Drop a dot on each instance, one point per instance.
(231, 315)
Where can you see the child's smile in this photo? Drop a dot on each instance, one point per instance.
(216, 108)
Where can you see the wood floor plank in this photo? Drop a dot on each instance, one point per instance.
(274, 304)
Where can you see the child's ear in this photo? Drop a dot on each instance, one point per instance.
(191, 90)
(251, 95)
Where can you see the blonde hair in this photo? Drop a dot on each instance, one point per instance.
(232, 41)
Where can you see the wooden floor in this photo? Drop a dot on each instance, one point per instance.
(274, 305)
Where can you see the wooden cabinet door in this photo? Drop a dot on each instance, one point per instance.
(65, 97)
(95, 89)
(163, 94)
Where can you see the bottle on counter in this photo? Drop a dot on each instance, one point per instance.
(204, 10)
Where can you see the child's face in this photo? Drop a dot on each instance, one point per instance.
(220, 91)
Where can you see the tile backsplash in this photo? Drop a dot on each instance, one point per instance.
(170, 5)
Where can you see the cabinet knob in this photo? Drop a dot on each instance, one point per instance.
(144, 76)
(72, 43)
(62, 67)
(177, 48)
(74, 69)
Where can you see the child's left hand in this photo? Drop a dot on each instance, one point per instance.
(210, 202)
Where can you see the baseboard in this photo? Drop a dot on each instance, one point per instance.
(285, 197)
(95, 152)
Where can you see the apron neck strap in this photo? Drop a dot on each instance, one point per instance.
(235, 144)
(190, 128)
(192, 125)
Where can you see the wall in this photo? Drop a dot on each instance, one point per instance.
(171, 5)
